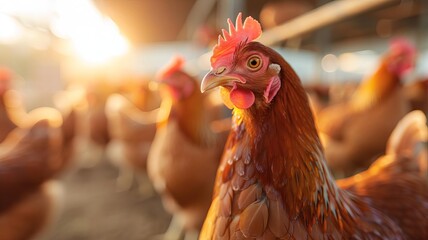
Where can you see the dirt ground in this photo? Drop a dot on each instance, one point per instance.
(93, 209)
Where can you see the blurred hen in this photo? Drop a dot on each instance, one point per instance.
(6, 124)
(417, 94)
(355, 132)
(92, 126)
(132, 120)
(30, 156)
(186, 151)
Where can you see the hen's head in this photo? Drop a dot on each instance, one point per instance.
(5, 76)
(401, 56)
(180, 85)
(246, 71)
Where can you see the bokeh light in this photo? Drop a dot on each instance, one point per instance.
(348, 62)
(329, 63)
(10, 30)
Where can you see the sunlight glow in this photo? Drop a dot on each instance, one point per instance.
(95, 38)
(105, 43)
(27, 9)
(92, 37)
(10, 30)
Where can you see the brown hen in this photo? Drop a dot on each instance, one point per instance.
(355, 132)
(29, 157)
(132, 126)
(92, 126)
(273, 182)
(6, 124)
(186, 151)
(417, 94)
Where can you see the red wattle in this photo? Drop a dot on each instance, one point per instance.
(242, 98)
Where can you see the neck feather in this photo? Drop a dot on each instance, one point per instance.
(284, 132)
(189, 112)
(283, 144)
(376, 87)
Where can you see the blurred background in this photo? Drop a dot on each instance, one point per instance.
(51, 46)
(49, 43)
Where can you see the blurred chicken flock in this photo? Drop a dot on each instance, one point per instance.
(146, 156)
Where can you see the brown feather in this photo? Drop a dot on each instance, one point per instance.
(248, 196)
(253, 220)
(279, 221)
(221, 227)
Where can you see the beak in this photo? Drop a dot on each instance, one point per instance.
(212, 80)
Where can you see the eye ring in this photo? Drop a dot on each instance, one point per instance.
(254, 63)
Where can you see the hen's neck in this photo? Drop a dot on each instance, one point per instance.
(283, 144)
(3, 108)
(376, 87)
(284, 133)
(189, 113)
(2, 102)
(6, 125)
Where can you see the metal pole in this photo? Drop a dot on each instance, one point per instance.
(228, 9)
(198, 14)
(329, 13)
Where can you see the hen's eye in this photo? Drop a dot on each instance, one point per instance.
(254, 63)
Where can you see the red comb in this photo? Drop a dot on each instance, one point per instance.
(5, 73)
(227, 43)
(175, 65)
(404, 48)
(402, 45)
